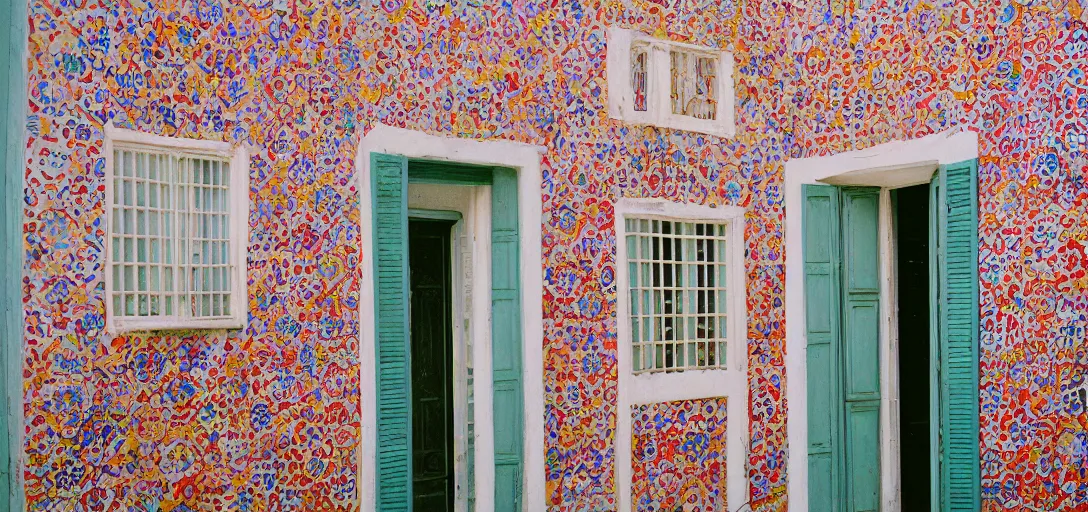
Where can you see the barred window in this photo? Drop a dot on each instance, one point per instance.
(694, 80)
(677, 274)
(174, 237)
(640, 84)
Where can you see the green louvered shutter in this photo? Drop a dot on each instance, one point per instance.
(389, 189)
(506, 340)
(957, 209)
(861, 346)
(820, 224)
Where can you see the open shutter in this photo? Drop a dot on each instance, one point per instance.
(506, 340)
(861, 346)
(957, 209)
(389, 189)
(820, 220)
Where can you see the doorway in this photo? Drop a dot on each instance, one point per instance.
(431, 330)
(915, 348)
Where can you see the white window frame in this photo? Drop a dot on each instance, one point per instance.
(621, 95)
(238, 156)
(730, 382)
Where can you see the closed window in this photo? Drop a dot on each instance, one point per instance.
(176, 225)
(677, 278)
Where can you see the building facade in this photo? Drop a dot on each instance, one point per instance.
(277, 406)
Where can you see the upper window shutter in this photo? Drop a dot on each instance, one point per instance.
(957, 209)
(506, 340)
(389, 195)
(822, 308)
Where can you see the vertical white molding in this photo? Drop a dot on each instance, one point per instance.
(889, 359)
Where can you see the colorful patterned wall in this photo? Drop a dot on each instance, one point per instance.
(866, 72)
(270, 419)
(678, 456)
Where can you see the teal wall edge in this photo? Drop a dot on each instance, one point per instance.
(13, 14)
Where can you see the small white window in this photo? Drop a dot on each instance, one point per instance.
(681, 310)
(176, 232)
(669, 84)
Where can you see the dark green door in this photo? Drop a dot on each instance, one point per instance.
(432, 365)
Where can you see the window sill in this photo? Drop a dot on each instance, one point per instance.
(130, 325)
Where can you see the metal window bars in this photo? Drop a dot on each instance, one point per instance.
(677, 275)
(170, 235)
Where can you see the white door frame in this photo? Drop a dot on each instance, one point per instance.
(888, 166)
(525, 159)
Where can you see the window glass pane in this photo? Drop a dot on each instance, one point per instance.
(640, 76)
(694, 79)
(169, 235)
(677, 296)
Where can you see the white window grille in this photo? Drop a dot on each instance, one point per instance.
(669, 84)
(176, 223)
(677, 276)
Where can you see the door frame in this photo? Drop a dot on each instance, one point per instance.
(525, 160)
(891, 165)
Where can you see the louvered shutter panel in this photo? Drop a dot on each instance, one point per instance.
(389, 187)
(861, 346)
(820, 220)
(959, 307)
(506, 340)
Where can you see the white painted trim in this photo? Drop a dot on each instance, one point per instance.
(659, 84)
(238, 156)
(891, 165)
(526, 160)
(889, 358)
(731, 382)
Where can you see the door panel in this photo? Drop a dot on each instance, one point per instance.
(822, 319)
(863, 455)
(957, 209)
(861, 346)
(506, 340)
(432, 365)
(842, 323)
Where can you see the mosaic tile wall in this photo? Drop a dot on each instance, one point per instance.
(678, 456)
(269, 420)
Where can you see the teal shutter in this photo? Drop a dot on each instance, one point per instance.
(389, 189)
(861, 346)
(842, 323)
(820, 224)
(506, 340)
(13, 122)
(957, 209)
